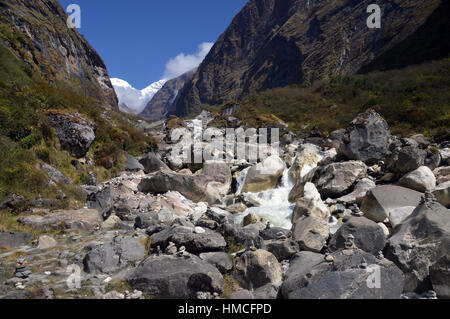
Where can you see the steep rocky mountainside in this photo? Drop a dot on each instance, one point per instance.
(60, 124)
(274, 43)
(161, 104)
(36, 31)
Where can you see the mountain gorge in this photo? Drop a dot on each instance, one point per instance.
(161, 105)
(273, 43)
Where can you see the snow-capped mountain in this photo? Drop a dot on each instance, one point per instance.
(132, 99)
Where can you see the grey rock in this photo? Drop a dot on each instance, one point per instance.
(54, 175)
(382, 200)
(210, 186)
(310, 276)
(175, 277)
(185, 236)
(367, 140)
(76, 134)
(151, 163)
(421, 180)
(337, 179)
(440, 277)
(406, 159)
(255, 269)
(242, 295)
(114, 255)
(368, 235)
(442, 194)
(132, 164)
(13, 240)
(220, 260)
(311, 233)
(419, 242)
(361, 189)
(82, 219)
(282, 249)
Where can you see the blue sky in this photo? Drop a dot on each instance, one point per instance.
(136, 38)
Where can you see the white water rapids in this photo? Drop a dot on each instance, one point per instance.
(274, 203)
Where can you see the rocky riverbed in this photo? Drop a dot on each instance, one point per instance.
(359, 213)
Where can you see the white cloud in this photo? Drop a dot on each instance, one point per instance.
(133, 98)
(183, 63)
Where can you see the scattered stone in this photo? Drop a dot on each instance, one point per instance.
(264, 176)
(114, 255)
(75, 133)
(368, 236)
(421, 180)
(337, 179)
(257, 268)
(312, 277)
(173, 277)
(21, 270)
(419, 242)
(46, 242)
(13, 240)
(311, 233)
(442, 194)
(151, 163)
(220, 260)
(132, 164)
(83, 219)
(367, 138)
(381, 201)
(311, 203)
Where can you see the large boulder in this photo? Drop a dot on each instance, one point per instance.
(361, 189)
(187, 237)
(442, 193)
(406, 159)
(75, 133)
(311, 233)
(419, 242)
(83, 219)
(421, 180)
(306, 159)
(264, 175)
(54, 176)
(132, 164)
(367, 138)
(152, 163)
(245, 236)
(442, 174)
(255, 269)
(172, 277)
(209, 186)
(220, 260)
(114, 255)
(440, 277)
(381, 201)
(282, 249)
(369, 236)
(13, 240)
(310, 276)
(337, 179)
(310, 202)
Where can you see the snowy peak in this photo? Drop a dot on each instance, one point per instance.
(135, 99)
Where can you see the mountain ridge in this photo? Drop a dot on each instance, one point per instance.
(272, 44)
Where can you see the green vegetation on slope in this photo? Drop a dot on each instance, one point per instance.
(26, 137)
(413, 100)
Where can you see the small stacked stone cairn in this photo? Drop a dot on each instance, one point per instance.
(350, 242)
(21, 270)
